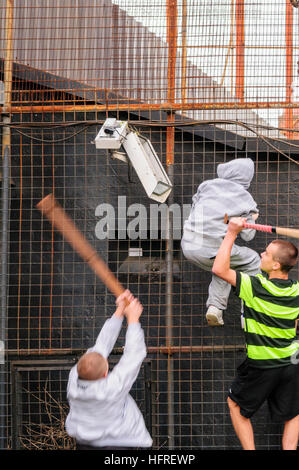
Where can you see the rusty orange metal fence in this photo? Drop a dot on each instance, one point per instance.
(206, 82)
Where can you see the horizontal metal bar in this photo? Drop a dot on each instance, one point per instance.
(194, 349)
(152, 107)
(46, 366)
(151, 350)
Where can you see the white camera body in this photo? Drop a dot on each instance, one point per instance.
(141, 154)
(111, 134)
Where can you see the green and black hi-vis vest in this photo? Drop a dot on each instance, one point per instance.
(271, 308)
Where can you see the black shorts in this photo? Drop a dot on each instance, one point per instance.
(279, 386)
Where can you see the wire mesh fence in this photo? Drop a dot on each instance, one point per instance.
(206, 83)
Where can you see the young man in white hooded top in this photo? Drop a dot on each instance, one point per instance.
(103, 415)
(205, 229)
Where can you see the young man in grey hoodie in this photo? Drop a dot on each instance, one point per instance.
(205, 228)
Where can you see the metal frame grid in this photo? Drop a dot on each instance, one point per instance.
(199, 82)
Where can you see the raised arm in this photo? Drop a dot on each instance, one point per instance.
(221, 266)
(111, 328)
(126, 371)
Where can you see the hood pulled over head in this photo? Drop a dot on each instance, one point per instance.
(240, 170)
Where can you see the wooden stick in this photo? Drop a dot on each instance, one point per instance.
(62, 222)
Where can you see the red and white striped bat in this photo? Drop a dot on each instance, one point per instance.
(287, 232)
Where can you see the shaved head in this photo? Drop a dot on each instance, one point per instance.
(286, 254)
(92, 366)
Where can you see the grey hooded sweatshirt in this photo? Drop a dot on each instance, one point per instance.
(205, 228)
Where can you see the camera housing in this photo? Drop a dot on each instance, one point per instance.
(139, 151)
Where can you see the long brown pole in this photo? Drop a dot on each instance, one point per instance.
(164, 106)
(62, 222)
(172, 32)
(289, 66)
(6, 152)
(240, 50)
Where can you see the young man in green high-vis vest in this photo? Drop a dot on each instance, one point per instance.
(271, 369)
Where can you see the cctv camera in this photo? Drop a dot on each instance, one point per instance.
(141, 154)
(111, 134)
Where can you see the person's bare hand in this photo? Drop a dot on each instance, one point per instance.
(133, 311)
(236, 225)
(122, 301)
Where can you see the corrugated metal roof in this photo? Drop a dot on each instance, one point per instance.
(99, 45)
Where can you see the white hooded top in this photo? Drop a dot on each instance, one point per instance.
(214, 198)
(102, 412)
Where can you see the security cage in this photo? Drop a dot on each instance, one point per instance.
(56, 302)
(206, 84)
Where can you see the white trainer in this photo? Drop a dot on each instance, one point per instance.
(214, 316)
